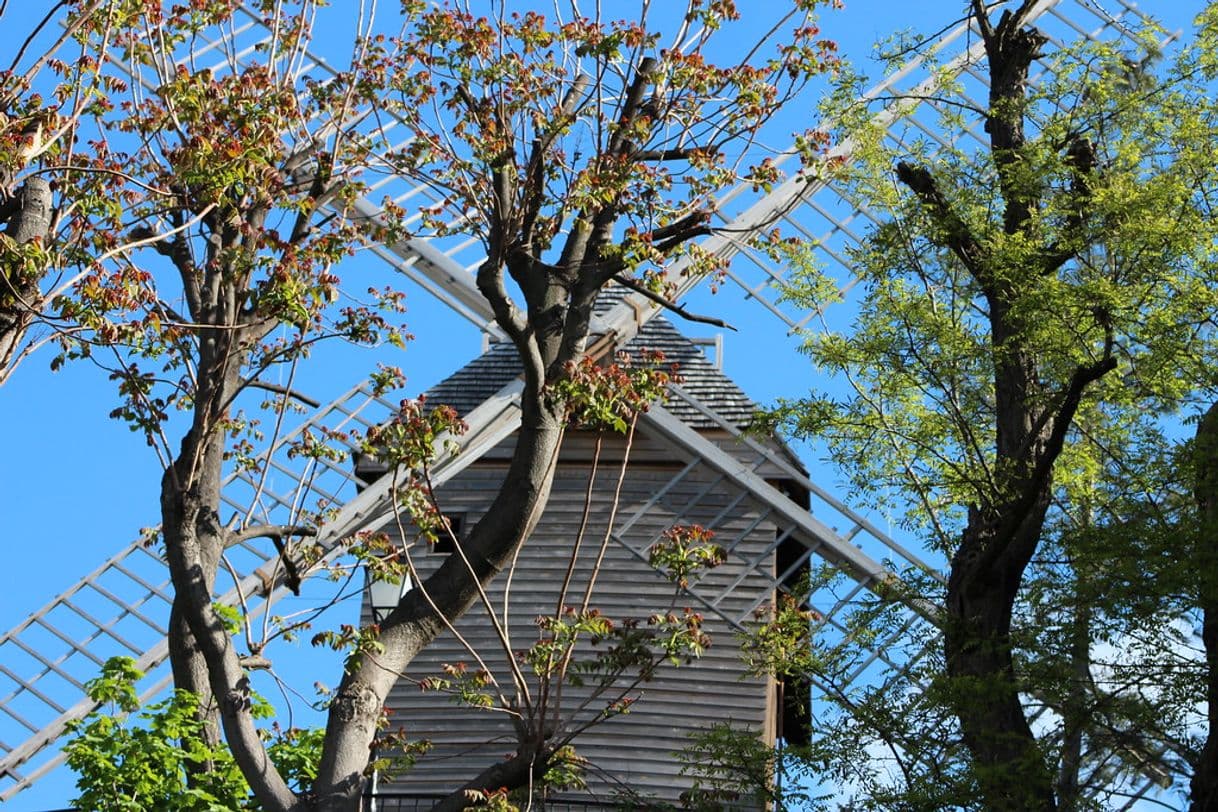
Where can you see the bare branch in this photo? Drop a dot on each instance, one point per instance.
(258, 383)
(672, 307)
(271, 531)
(664, 154)
(276, 533)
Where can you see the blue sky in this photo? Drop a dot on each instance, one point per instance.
(75, 485)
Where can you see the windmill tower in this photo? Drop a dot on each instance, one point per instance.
(122, 605)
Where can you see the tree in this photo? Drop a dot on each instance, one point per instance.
(210, 176)
(38, 150)
(1204, 789)
(1027, 313)
(592, 155)
(579, 152)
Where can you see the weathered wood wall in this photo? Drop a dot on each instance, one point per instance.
(632, 752)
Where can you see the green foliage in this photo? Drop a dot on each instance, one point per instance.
(130, 759)
(779, 641)
(497, 800)
(467, 686)
(610, 398)
(130, 767)
(395, 753)
(408, 444)
(297, 753)
(566, 770)
(683, 550)
(730, 767)
(350, 637)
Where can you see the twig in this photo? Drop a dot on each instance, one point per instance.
(671, 306)
(282, 390)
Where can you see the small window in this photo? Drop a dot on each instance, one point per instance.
(444, 541)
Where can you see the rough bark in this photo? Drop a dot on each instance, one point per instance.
(28, 220)
(1011, 771)
(194, 479)
(192, 512)
(1203, 790)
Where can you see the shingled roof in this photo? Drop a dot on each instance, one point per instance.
(484, 376)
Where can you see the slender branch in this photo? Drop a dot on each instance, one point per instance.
(673, 307)
(535, 169)
(271, 531)
(282, 390)
(982, 15)
(675, 154)
(276, 533)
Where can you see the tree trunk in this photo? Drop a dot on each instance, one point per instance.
(359, 700)
(190, 498)
(1204, 787)
(194, 542)
(191, 511)
(29, 220)
(1075, 710)
(1003, 531)
(983, 688)
(186, 659)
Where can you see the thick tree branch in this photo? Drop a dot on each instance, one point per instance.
(513, 773)
(179, 252)
(1081, 160)
(276, 533)
(509, 520)
(535, 168)
(621, 147)
(619, 143)
(21, 295)
(982, 16)
(956, 234)
(1038, 481)
(490, 283)
(271, 531)
(32, 219)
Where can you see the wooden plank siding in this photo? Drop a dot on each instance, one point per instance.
(633, 751)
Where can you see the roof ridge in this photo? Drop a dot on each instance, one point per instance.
(485, 375)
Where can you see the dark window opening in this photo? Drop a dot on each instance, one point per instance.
(795, 692)
(444, 539)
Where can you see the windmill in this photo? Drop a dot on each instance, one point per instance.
(121, 606)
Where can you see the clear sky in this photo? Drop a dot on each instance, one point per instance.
(75, 486)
